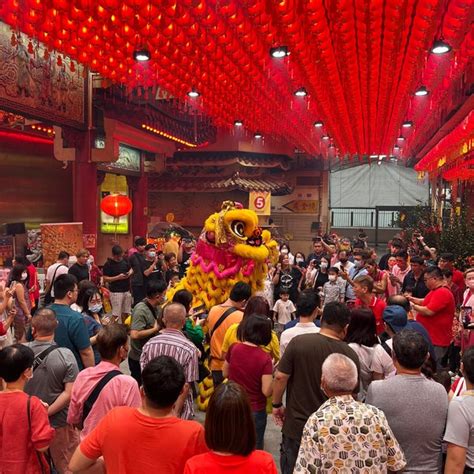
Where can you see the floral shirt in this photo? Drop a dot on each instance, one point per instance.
(346, 436)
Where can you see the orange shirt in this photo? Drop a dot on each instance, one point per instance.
(130, 441)
(217, 339)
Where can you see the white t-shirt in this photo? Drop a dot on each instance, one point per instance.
(372, 359)
(289, 334)
(283, 309)
(61, 270)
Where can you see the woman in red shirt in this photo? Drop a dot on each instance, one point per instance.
(251, 367)
(230, 435)
(26, 432)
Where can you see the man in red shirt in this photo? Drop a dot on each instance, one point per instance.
(446, 260)
(365, 298)
(436, 311)
(146, 439)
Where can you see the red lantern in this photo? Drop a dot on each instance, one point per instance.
(116, 205)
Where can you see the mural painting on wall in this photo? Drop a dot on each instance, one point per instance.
(40, 83)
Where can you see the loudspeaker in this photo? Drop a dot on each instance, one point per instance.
(15, 228)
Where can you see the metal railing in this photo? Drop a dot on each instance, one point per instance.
(364, 218)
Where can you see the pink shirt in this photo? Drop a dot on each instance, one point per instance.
(399, 273)
(120, 391)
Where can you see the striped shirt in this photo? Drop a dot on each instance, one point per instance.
(173, 343)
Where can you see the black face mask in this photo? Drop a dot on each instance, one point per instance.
(343, 260)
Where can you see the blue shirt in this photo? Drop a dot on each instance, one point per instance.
(71, 331)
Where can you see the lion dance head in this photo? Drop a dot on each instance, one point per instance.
(231, 248)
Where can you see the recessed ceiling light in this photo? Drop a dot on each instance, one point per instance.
(318, 124)
(193, 93)
(407, 124)
(396, 148)
(440, 47)
(279, 52)
(421, 91)
(301, 92)
(402, 139)
(141, 55)
(258, 135)
(325, 137)
(238, 123)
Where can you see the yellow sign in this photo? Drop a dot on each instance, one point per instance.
(260, 202)
(303, 206)
(113, 184)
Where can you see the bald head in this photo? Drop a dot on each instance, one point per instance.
(174, 315)
(44, 323)
(339, 374)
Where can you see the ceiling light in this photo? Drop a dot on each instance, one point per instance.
(238, 123)
(440, 47)
(407, 124)
(301, 92)
(325, 137)
(279, 52)
(141, 55)
(193, 93)
(318, 124)
(396, 148)
(402, 139)
(421, 91)
(258, 135)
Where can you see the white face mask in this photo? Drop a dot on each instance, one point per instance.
(299, 260)
(95, 308)
(284, 251)
(332, 277)
(323, 265)
(152, 254)
(24, 276)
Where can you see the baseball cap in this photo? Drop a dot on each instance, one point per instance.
(396, 317)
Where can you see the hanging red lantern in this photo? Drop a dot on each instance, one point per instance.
(116, 205)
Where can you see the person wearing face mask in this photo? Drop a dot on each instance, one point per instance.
(357, 270)
(19, 291)
(343, 263)
(117, 273)
(300, 260)
(334, 289)
(145, 324)
(54, 369)
(23, 439)
(153, 266)
(91, 303)
(285, 251)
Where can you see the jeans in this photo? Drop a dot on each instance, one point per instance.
(217, 377)
(135, 370)
(260, 418)
(288, 454)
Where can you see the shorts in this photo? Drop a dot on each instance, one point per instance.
(121, 303)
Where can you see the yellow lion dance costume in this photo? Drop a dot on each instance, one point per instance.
(231, 248)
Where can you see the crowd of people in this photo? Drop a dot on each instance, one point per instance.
(366, 363)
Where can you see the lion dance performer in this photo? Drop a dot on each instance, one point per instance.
(231, 248)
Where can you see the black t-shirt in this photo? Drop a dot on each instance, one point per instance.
(155, 275)
(302, 361)
(289, 281)
(113, 268)
(417, 287)
(183, 266)
(81, 272)
(138, 263)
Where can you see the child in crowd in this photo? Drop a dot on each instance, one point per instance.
(174, 280)
(334, 289)
(283, 311)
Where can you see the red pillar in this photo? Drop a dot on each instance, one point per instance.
(139, 189)
(85, 197)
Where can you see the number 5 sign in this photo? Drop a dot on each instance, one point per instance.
(260, 202)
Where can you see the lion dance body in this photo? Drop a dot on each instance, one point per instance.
(231, 248)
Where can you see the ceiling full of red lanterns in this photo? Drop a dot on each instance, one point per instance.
(355, 64)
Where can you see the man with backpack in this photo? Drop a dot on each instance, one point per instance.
(220, 318)
(54, 371)
(55, 270)
(99, 389)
